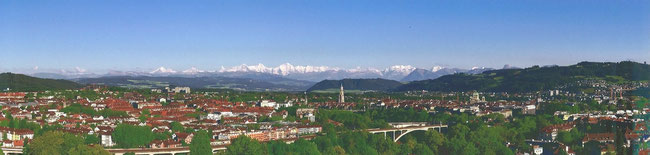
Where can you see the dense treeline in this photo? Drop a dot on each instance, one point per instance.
(20, 82)
(467, 134)
(398, 115)
(79, 109)
(534, 78)
(130, 136)
(58, 143)
(356, 84)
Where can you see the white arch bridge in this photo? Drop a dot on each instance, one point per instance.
(405, 130)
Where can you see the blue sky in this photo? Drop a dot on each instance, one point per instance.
(142, 35)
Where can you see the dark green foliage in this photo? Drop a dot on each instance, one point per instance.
(55, 143)
(88, 150)
(91, 139)
(200, 144)
(20, 82)
(129, 136)
(162, 135)
(357, 84)
(570, 138)
(243, 145)
(533, 78)
(350, 120)
(79, 109)
(399, 115)
(300, 146)
(177, 127)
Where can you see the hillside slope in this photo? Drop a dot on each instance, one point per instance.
(270, 84)
(20, 82)
(533, 78)
(356, 84)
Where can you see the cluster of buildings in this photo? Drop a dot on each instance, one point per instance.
(99, 117)
(226, 119)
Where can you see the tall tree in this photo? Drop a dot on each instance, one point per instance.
(305, 147)
(54, 143)
(433, 139)
(200, 144)
(243, 145)
(127, 136)
(88, 150)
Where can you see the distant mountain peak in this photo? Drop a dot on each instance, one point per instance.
(436, 68)
(285, 70)
(163, 70)
(192, 70)
(401, 68)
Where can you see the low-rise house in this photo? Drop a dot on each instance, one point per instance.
(310, 129)
(165, 144)
(549, 133)
(599, 137)
(16, 134)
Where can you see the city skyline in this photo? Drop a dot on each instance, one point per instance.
(141, 36)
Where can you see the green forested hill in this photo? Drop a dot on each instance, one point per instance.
(20, 82)
(534, 78)
(356, 84)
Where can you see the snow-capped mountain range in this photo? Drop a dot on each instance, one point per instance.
(306, 73)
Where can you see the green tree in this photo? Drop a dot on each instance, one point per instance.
(459, 131)
(200, 144)
(305, 147)
(8, 115)
(142, 118)
(422, 149)
(53, 143)
(128, 136)
(88, 150)
(70, 141)
(336, 150)
(457, 145)
(243, 145)
(177, 127)
(433, 139)
(91, 139)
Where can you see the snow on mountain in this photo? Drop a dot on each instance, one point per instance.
(284, 69)
(436, 68)
(163, 70)
(317, 73)
(192, 70)
(287, 70)
(401, 69)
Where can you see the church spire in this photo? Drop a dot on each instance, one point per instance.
(341, 95)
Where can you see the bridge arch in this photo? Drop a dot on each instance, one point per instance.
(405, 130)
(404, 133)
